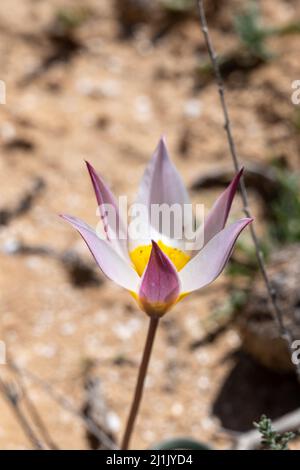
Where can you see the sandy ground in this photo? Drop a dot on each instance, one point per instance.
(109, 103)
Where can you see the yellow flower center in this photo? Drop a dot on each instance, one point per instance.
(140, 256)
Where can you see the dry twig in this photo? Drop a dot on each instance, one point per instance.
(12, 396)
(96, 409)
(35, 415)
(278, 314)
(65, 404)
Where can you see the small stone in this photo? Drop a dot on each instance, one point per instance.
(202, 357)
(46, 350)
(143, 108)
(233, 339)
(177, 409)
(106, 89)
(7, 131)
(68, 329)
(126, 330)
(100, 317)
(11, 246)
(203, 382)
(192, 108)
(113, 421)
(207, 423)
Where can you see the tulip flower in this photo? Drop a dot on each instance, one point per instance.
(159, 274)
(158, 271)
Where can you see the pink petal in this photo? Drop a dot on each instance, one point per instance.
(206, 266)
(161, 182)
(218, 215)
(160, 285)
(112, 230)
(112, 264)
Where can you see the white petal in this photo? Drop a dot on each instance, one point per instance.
(161, 184)
(109, 261)
(206, 266)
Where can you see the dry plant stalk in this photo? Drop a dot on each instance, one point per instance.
(278, 314)
(64, 403)
(10, 393)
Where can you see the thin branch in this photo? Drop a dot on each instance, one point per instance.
(95, 408)
(35, 415)
(65, 404)
(12, 398)
(278, 314)
(140, 382)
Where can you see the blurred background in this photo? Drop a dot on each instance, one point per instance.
(102, 80)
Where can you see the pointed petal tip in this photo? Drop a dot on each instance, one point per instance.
(238, 176)
(70, 219)
(96, 178)
(218, 215)
(236, 179)
(245, 221)
(63, 217)
(162, 148)
(157, 252)
(160, 285)
(163, 139)
(90, 168)
(93, 174)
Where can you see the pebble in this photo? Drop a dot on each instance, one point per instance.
(207, 423)
(100, 317)
(143, 108)
(113, 421)
(192, 108)
(193, 326)
(203, 382)
(202, 357)
(7, 131)
(233, 339)
(11, 246)
(125, 331)
(46, 350)
(68, 329)
(106, 89)
(177, 409)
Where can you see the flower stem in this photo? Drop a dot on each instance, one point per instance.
(140, 382)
